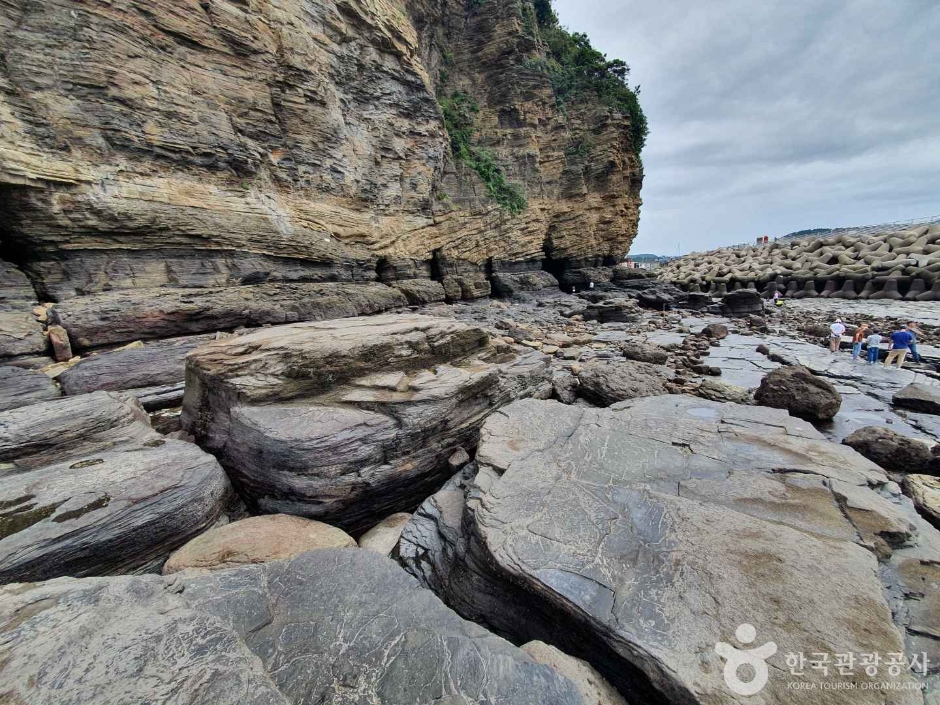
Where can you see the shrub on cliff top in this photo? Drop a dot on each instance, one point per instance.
(575, 68)
(459, 110)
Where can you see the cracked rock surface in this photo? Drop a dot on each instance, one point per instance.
(637, 537)
(332, 626)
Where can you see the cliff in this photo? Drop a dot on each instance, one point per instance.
(222, 143)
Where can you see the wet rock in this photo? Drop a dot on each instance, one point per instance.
(800, 392)
(919, 397)
(249, 636)
(715, 331)
(261, 539)
(19, 387)
(123, 316)
(925, 491)
(90, 489)
(579, 519)
(608, 382)
(639, 352)
(897, 454)
(593, 687)
(348, 421)
(383, 537)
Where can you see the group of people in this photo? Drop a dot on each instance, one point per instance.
(900, 343)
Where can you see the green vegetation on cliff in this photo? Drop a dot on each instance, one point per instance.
(459, 110)
(576, 68)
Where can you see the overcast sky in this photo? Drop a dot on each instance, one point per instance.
(768, 117)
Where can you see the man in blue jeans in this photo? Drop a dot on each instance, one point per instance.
(874, 347)
(912, 329)
(900, 342)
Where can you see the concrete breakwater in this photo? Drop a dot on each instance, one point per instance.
(893, 265)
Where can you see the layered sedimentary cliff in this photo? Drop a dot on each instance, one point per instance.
(223, 143)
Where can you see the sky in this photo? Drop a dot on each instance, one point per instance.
(768, 116)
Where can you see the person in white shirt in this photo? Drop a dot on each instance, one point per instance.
(835, 337)
(874, 348)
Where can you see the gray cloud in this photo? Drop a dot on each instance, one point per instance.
(768, 116)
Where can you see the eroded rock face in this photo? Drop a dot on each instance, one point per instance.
(637, 537)
(799, 391)
(288, 142)
(348, 421)
(88, 488)
(918, 397)
(250, 635)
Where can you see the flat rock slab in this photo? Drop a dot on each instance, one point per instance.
(640, 536)
(337, 626)
(88, 488)
(19, 387)
(124, 316)
(349, 421)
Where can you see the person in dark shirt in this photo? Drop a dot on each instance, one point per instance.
(900, 342)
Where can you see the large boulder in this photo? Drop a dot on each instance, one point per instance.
(799, 391)
(741, 303)
(644, 352)
(261, 539)
(897, 454)
(639, 537)
(612, 311)
(349, 421)
(336, 626)
(919, 397)
(19, 387)
(90, 489)
(606, 382)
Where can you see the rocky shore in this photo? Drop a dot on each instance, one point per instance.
(610, 480)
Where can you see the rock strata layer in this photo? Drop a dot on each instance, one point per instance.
(349, 421)
(90, 489)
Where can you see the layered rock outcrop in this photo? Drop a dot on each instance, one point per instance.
(640, 536)
(231, 145)
(88, 488)
(892, 265)
(339, 626)
(349, 421)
